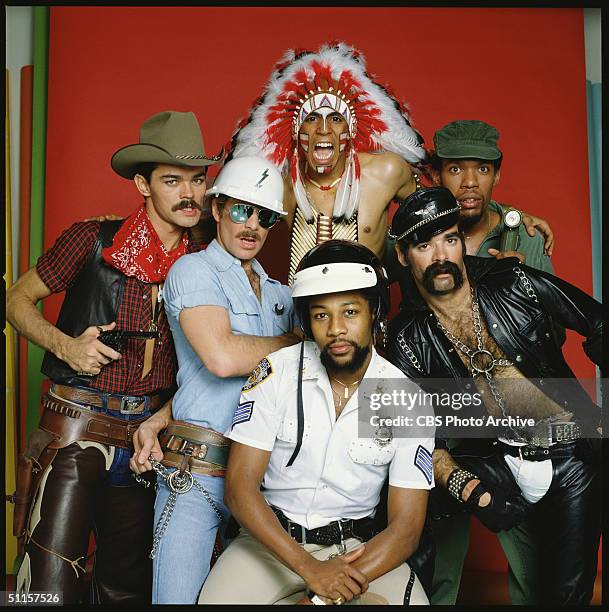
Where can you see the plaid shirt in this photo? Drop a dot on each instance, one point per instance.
(59, 267)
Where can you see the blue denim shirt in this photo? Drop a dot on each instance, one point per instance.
(214, 277)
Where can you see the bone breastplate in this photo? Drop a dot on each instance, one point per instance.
(306, 235)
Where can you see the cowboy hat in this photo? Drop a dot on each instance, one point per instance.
(169, 137)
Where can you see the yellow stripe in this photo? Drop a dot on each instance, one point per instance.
(11, 403)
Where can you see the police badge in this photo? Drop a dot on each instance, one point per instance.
(383, 435)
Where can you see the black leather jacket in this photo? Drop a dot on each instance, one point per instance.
(521, 321)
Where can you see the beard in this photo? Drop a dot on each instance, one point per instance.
(467, 222)
(448, 267)
(355, 363)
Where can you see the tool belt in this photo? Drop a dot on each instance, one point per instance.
(538, 453)
(194, 448)
(114, 402)
(332, 533)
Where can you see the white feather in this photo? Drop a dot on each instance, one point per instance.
(302, 199)
(344, 189)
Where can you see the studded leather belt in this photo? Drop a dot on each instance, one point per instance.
(196, 448)
(123, 404)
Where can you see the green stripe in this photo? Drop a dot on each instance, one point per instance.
(595, 157)
(39, 134)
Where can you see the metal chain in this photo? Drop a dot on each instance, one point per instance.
(404, 346)
(476, 370)
(177, 483)
(526, 283)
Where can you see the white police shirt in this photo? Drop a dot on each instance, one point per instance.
(336, 474)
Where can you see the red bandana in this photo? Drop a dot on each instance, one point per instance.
(138, 251)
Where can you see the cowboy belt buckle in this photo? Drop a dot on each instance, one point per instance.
(130, 406)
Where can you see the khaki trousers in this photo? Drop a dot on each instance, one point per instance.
(247, 573)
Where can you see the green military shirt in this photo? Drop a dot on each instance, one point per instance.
(530, 247)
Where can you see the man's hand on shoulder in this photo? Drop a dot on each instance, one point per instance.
(86, 353)
(532, 223)
(102, 218)
(503, 254)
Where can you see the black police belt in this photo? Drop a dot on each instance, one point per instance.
(538, 453)
(335, 532)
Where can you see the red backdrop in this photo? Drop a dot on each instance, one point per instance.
(522, 70)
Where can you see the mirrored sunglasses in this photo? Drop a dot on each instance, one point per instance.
(240, 213)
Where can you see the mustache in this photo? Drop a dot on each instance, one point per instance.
(248, 234)
(328, 346)
(447, 267)
(182, 204)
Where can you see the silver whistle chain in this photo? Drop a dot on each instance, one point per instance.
(481, 360)
(177, 483)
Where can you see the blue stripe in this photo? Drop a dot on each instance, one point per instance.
(243, 413)
(426, 460)
(240, 419)
(423, 461)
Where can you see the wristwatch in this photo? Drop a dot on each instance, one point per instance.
(512, 219)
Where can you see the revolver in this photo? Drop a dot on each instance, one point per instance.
(116, 339)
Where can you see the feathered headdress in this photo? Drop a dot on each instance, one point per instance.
(335, 76)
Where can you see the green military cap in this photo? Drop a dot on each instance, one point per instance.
(467, 138)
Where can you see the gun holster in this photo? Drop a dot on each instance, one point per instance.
(30, 468)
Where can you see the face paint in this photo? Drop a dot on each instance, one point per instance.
(324, 103)
(324, 113)
(323, 138)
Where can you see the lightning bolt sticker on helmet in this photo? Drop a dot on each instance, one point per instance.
(264, 176)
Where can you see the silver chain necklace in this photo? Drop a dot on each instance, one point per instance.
(481, 360)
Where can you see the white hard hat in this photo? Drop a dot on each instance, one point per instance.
(251, 179)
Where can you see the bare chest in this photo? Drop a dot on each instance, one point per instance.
(371, 217)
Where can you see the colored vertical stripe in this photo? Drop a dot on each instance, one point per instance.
(595, 157)
(11, 404)
(39, 121)
(595, 164)
(25, 176)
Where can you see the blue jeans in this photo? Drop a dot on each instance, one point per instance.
(182, 560)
